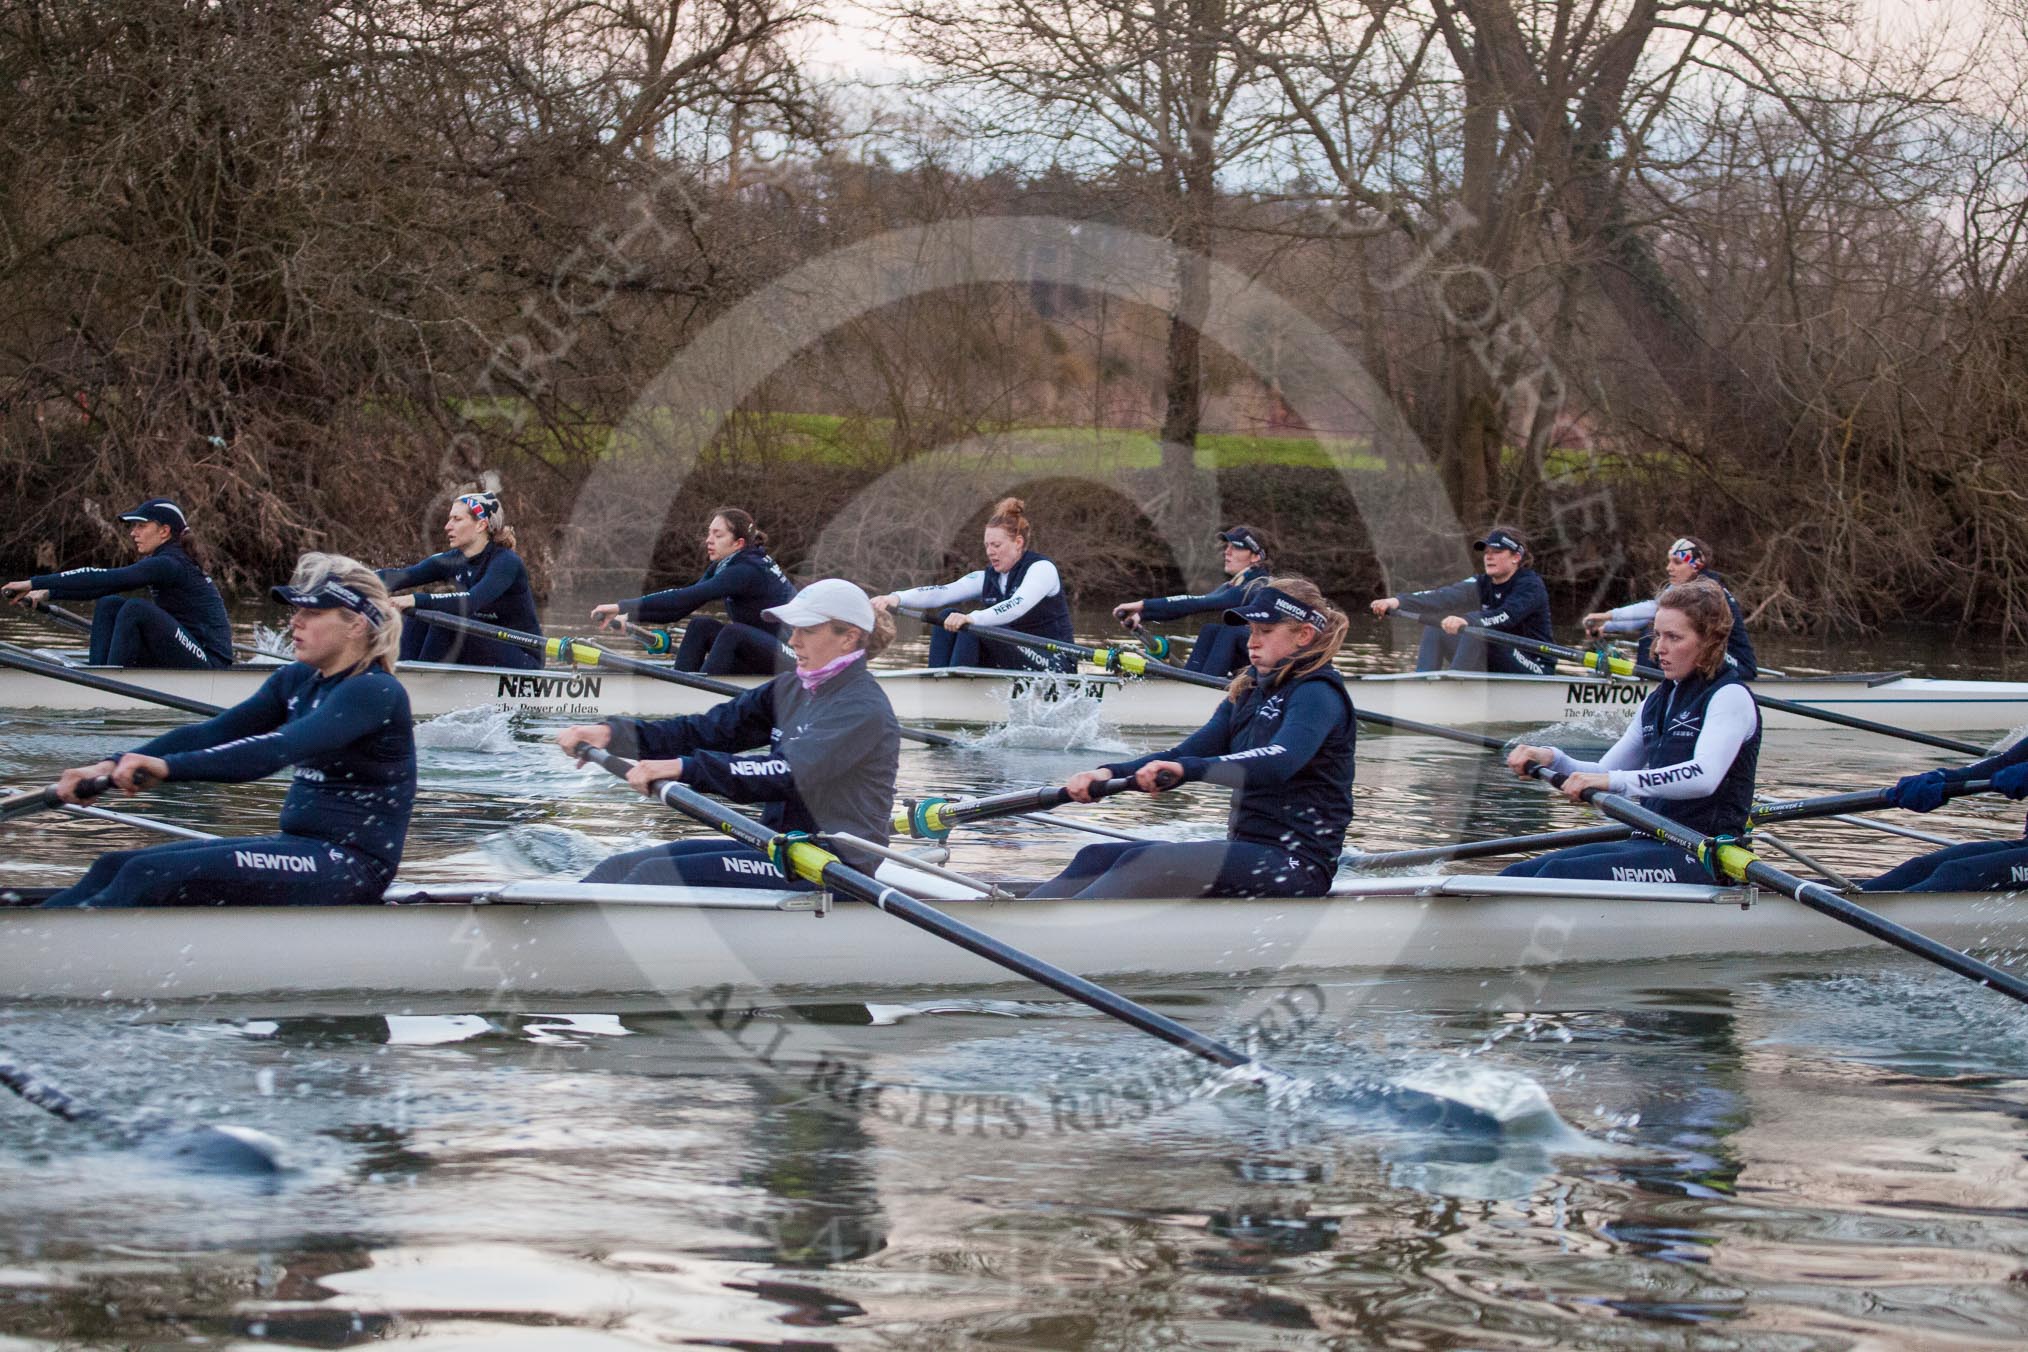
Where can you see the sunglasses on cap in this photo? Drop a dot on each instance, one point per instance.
(330, 594)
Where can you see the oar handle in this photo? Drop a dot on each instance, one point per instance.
(44, 799)
(934, 818)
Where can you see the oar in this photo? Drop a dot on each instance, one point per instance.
(798, 856)
(1624, 667)
(1734, 861)
(936, 818)
(586, 653)
(1484, 849)
(12, 656)
(227, 1148)
(1118, 660)
(32, 801)
(1861, 800)
(72, 620)
(801, 858)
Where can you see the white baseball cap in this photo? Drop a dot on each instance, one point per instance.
(833, 598)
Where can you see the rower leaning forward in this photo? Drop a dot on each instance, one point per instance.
(740, 576)
(1018, 589)
(336, 714)
(832, 748)
(1688, 558)
(1505, 594)
(1689, 755)
(1220, 649)
(1282, 740)
(491, 585)
(182, 621)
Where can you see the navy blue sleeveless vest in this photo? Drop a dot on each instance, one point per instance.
(1669, 729)
(1307, 815)
(1047, 618)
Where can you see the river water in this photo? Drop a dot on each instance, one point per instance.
(1786, 1154)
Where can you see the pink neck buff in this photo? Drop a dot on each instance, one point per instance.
(812, 679)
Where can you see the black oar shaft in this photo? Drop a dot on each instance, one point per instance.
(809, 859)
(585, 653)
(1485, 849)
(1835, 804)
(91, 680)
(1137, 664)
(1647, 673)
(1737, 862)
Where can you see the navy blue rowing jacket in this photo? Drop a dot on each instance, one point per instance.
(492, 586)
(1520, 605)
(174, 582)
(748, 583)
(1158, 609)
(350, 738)
(1286, 754)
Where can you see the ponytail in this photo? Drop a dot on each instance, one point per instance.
(740, 523)
(1313, 658)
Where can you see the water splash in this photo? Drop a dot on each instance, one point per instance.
(884, 1016)
(538, 849)
(273, 642)
(486, 727)
(1041, 719)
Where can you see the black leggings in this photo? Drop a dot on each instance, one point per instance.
(1220, 649)
(425, 642)
(1975, 866)
(694, 863)
(129, 631)
(277, 870)
(721, 648)
(967, 649)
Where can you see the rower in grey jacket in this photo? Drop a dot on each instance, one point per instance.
(831, 739)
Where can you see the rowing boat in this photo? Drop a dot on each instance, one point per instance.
(530, 940)
(967, 695)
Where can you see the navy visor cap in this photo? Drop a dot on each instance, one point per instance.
(159, 510)
(1246, 537)
(1267, 605)
(330, 594)
(1501, 538)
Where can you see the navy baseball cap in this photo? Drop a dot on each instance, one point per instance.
(1268, 604)
(159, 510)
(1501, 538)
(1246, 537)
(330, 594)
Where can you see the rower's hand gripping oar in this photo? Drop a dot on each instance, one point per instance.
(585, 653)
(800, 857)
(1726, 859)
(1610, 665)
(936, 818)
(1116, 661)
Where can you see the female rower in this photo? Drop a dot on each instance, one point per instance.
(1282, 740)
(1506, 595)
(1689, 755)
(1020, 590)
(1688, 558)
(832, 741)
(1976, 865)
(744, 578)
(1220, 648)
(337, 714)
(492, 586)
(181, 624)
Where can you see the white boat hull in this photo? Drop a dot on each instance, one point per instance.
(697, 944)
(977, 696)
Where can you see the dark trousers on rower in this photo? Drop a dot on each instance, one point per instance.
(1462, 652)
(967, 649)
(1975, 866)
(694, 863)
(424, 642)
(277, 870)
(131, 631)
(719, 648)
(1188, 868)
(1622, 861)
(1220, 649)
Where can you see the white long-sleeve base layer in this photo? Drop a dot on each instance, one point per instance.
(1038, 585)
(1729, 720)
